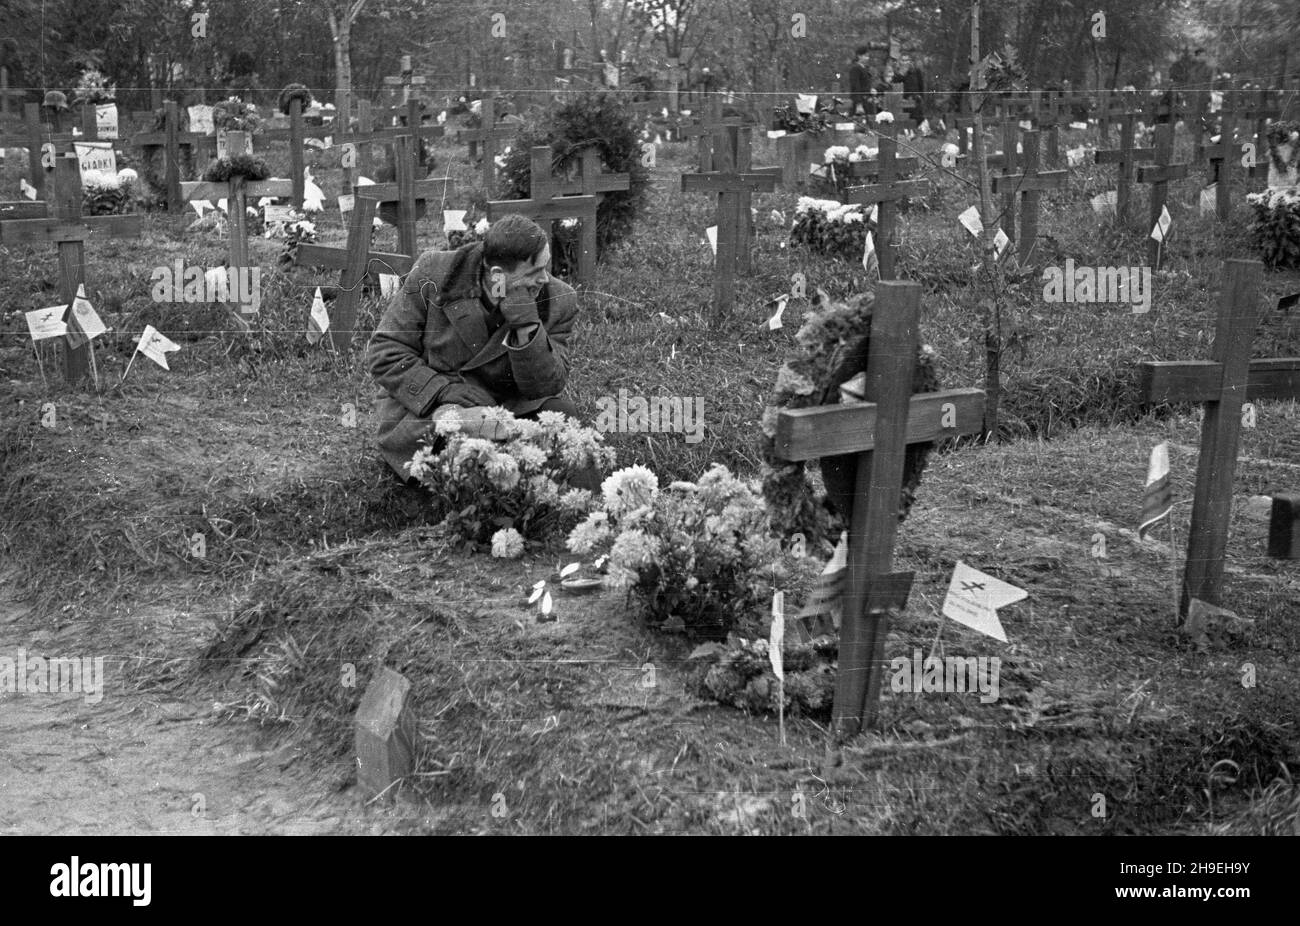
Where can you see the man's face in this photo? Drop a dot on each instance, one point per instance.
(905, 63)
(864, 58)
(528, 276)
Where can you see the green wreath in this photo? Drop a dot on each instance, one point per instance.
(242, 165)
(831, 348)
(295, 92)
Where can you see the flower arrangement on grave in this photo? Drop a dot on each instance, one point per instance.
(234, 115)
(293, 92)
(827, 226)
(742, 676)
(836, 160)
(468, 235)
(93, 88)
(105, 193)
(241, 165)
(1275, 226)
(788, 118)
(830, 348)
(588, 119)
(699, 557)
(520, 486)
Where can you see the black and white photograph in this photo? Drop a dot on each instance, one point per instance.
(651, 418)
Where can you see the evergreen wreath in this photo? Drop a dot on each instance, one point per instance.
(241, 165)
(831, 348)
(295, 92)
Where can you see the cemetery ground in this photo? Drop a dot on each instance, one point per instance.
(316, 562)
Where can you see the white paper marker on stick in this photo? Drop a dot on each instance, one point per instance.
(870, 262)
(454, 220)
(319, 323)
(1162, 224)
(970, 220)
(974, 598)
(1000, 241)
(388, 284)
(712, 234)
(805, 103)
(776, 639)
(155, 345)
(774, 322)
(91, 324)
(27, 189)
(46, 323)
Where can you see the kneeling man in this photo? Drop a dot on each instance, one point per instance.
(483, 325)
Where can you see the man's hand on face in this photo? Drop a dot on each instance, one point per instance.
(519, 308)
(522, 286)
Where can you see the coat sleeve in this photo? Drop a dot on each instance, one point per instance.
(541, 366)
(396, 351)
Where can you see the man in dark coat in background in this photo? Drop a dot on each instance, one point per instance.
(913, 81)
(480, 326)
(861, 91)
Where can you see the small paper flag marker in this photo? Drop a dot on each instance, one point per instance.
(46, 323)
(1074, 156)
(712, 234)
(973, 599)
(388, 284)
(27, 189)
(776, 655)
(454, 220)
(319, 322)
(805, 103)
(774, 322)
(1157, 497)
(154, 345)
(1162, 225)
(970, 220)
(1208, 200)
(870, 262)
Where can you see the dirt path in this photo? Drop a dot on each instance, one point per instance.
(130, 764)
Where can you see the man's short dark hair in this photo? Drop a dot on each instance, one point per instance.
(861, 50)
(513, 240)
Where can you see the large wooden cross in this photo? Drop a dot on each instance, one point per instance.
(170, 140)
(732, 223)
(403, 203)
(296, 134)
(69, 231)
(1052, 114)
(591, 181)
(1223, 156)
(236, 192)
(1159, 175)
(488, 134)
(1031, 183)
(546, 203)
(887, 192)
(1222, 384)
(354, 261)
(1126, 156)
(879, 431)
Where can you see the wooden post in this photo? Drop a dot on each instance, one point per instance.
(32, 118)
(171, 139)
(488, 134)
(1223, 157)
(1126, 157)
(354, 261)
(878, 431)
(1159, 176)
(297, 163)
(1223, 385)
(69, 230)
(545, 204)
(1284, 527)
(887, 192)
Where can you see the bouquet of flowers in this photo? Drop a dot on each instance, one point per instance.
(463, 236)
(699, 555)
(104, 193)
(93, 88)
(789, 118)
(1275, 226)
(839, 161)
(830, 227)
(234, 115)
(515, 488)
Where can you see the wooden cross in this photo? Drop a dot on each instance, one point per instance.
(296, 134)
(236, 191)
(1052, 114)
(732, 224)
(403, 203)
(1223, 157)
(354, 261)
(170, 140)
(1031, 183)
(1260, 111)
(1127, 157)
(710, 128)
(887, 192)
(546, 203)
(590, 181)
(69, 230)
(894, 106)
(1222, 384)
(34, 142)
(673, 73)
(1159, 175)
(406, 80)
(488, 133)
(878, 431)
(1008, 163)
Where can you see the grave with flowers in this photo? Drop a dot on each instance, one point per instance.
(1275, 222)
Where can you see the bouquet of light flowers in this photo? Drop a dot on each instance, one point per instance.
(830, 227)
(515, 488)
(106, 193)
(93, 88)
(1275, 226)
(234, 115)
(698, 555)
(838, 161)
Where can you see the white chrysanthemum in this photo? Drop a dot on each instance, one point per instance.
(526, 429)
(836, 153)
(629, 489)
(481, 227)
(419, 464)
(544, 489)
(884, 117)
(100, 180)
(634, 548)
(583, 538)
(507, 544)
(552, 420)
(502, 471)
(575, 500)
(681, 486)
(449, 424)
(474, 448)
(127, 175)
(531, 458)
